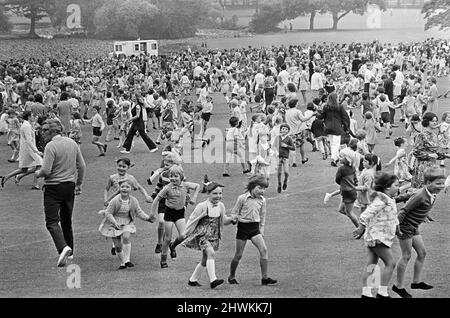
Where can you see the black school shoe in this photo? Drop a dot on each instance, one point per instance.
(129, 264)
(216, 283)
(381, 296)
(268, 281)
(113, 251)
(194, 284)
(401, 292)
(421, 285)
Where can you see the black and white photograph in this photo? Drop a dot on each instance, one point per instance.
(226, 151)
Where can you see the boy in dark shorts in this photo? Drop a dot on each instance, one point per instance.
(414, 213)
(250, 210)
(285, 146)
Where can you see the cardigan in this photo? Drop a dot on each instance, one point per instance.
(135, 209)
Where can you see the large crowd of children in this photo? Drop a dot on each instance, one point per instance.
(278, 100)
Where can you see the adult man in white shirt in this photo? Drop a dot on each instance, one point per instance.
(198, 71)
(259, 79)
(368, 74)
(297, 122)
(398, 81)
(284, 78)
(316, 83)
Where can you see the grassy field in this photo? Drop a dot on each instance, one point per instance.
(311, 251)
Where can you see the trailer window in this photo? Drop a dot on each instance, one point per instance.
(136, 47)
(153, 46)
(118, 48)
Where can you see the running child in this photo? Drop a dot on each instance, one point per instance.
(97, 128)
(204, 231)
(411, 215)
(401, 169)
(234, 147)
(346, 179)
(112, 188)
(176, 197)
(250, 210)
(378, 223)
(286, 145)
(119, 222)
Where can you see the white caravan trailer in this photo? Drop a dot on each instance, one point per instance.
(136, 47)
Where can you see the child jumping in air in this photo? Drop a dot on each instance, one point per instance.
(204, 231)
(250, 210)
(378, 223)
(119, 222)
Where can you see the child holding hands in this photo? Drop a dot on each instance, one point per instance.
(119, 222)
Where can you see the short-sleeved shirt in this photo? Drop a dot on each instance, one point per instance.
(175, 195)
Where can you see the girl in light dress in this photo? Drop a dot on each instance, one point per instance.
(13, 135)
(378, 223)
(119, 219)
(204, 231)
(112, 188)
(401, 169)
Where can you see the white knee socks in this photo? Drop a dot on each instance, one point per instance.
(121, 257)
(126, 252)
(211, 268)
(196, 275)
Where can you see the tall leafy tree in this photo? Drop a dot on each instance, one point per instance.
(437, 14)
(341, 8)
(123, 18)
(295, 8)
(31, 9)
(5, 25)
(267, 18)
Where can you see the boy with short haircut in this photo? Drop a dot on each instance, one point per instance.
(414, 213)
(285, 145)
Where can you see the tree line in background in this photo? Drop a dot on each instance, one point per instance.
(168, 19)
(270, 13)
(123, 19)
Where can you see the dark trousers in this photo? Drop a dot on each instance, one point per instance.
(269, 94)
(132, 132)
(366, 87)
(58, 208)
(392, 115)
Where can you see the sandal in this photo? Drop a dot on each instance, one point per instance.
(35, 188)
(16, 180)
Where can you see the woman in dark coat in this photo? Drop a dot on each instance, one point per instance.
(337, 123)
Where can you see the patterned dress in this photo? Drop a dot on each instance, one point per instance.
(426, 144)
(207, 232)
(380, 220)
